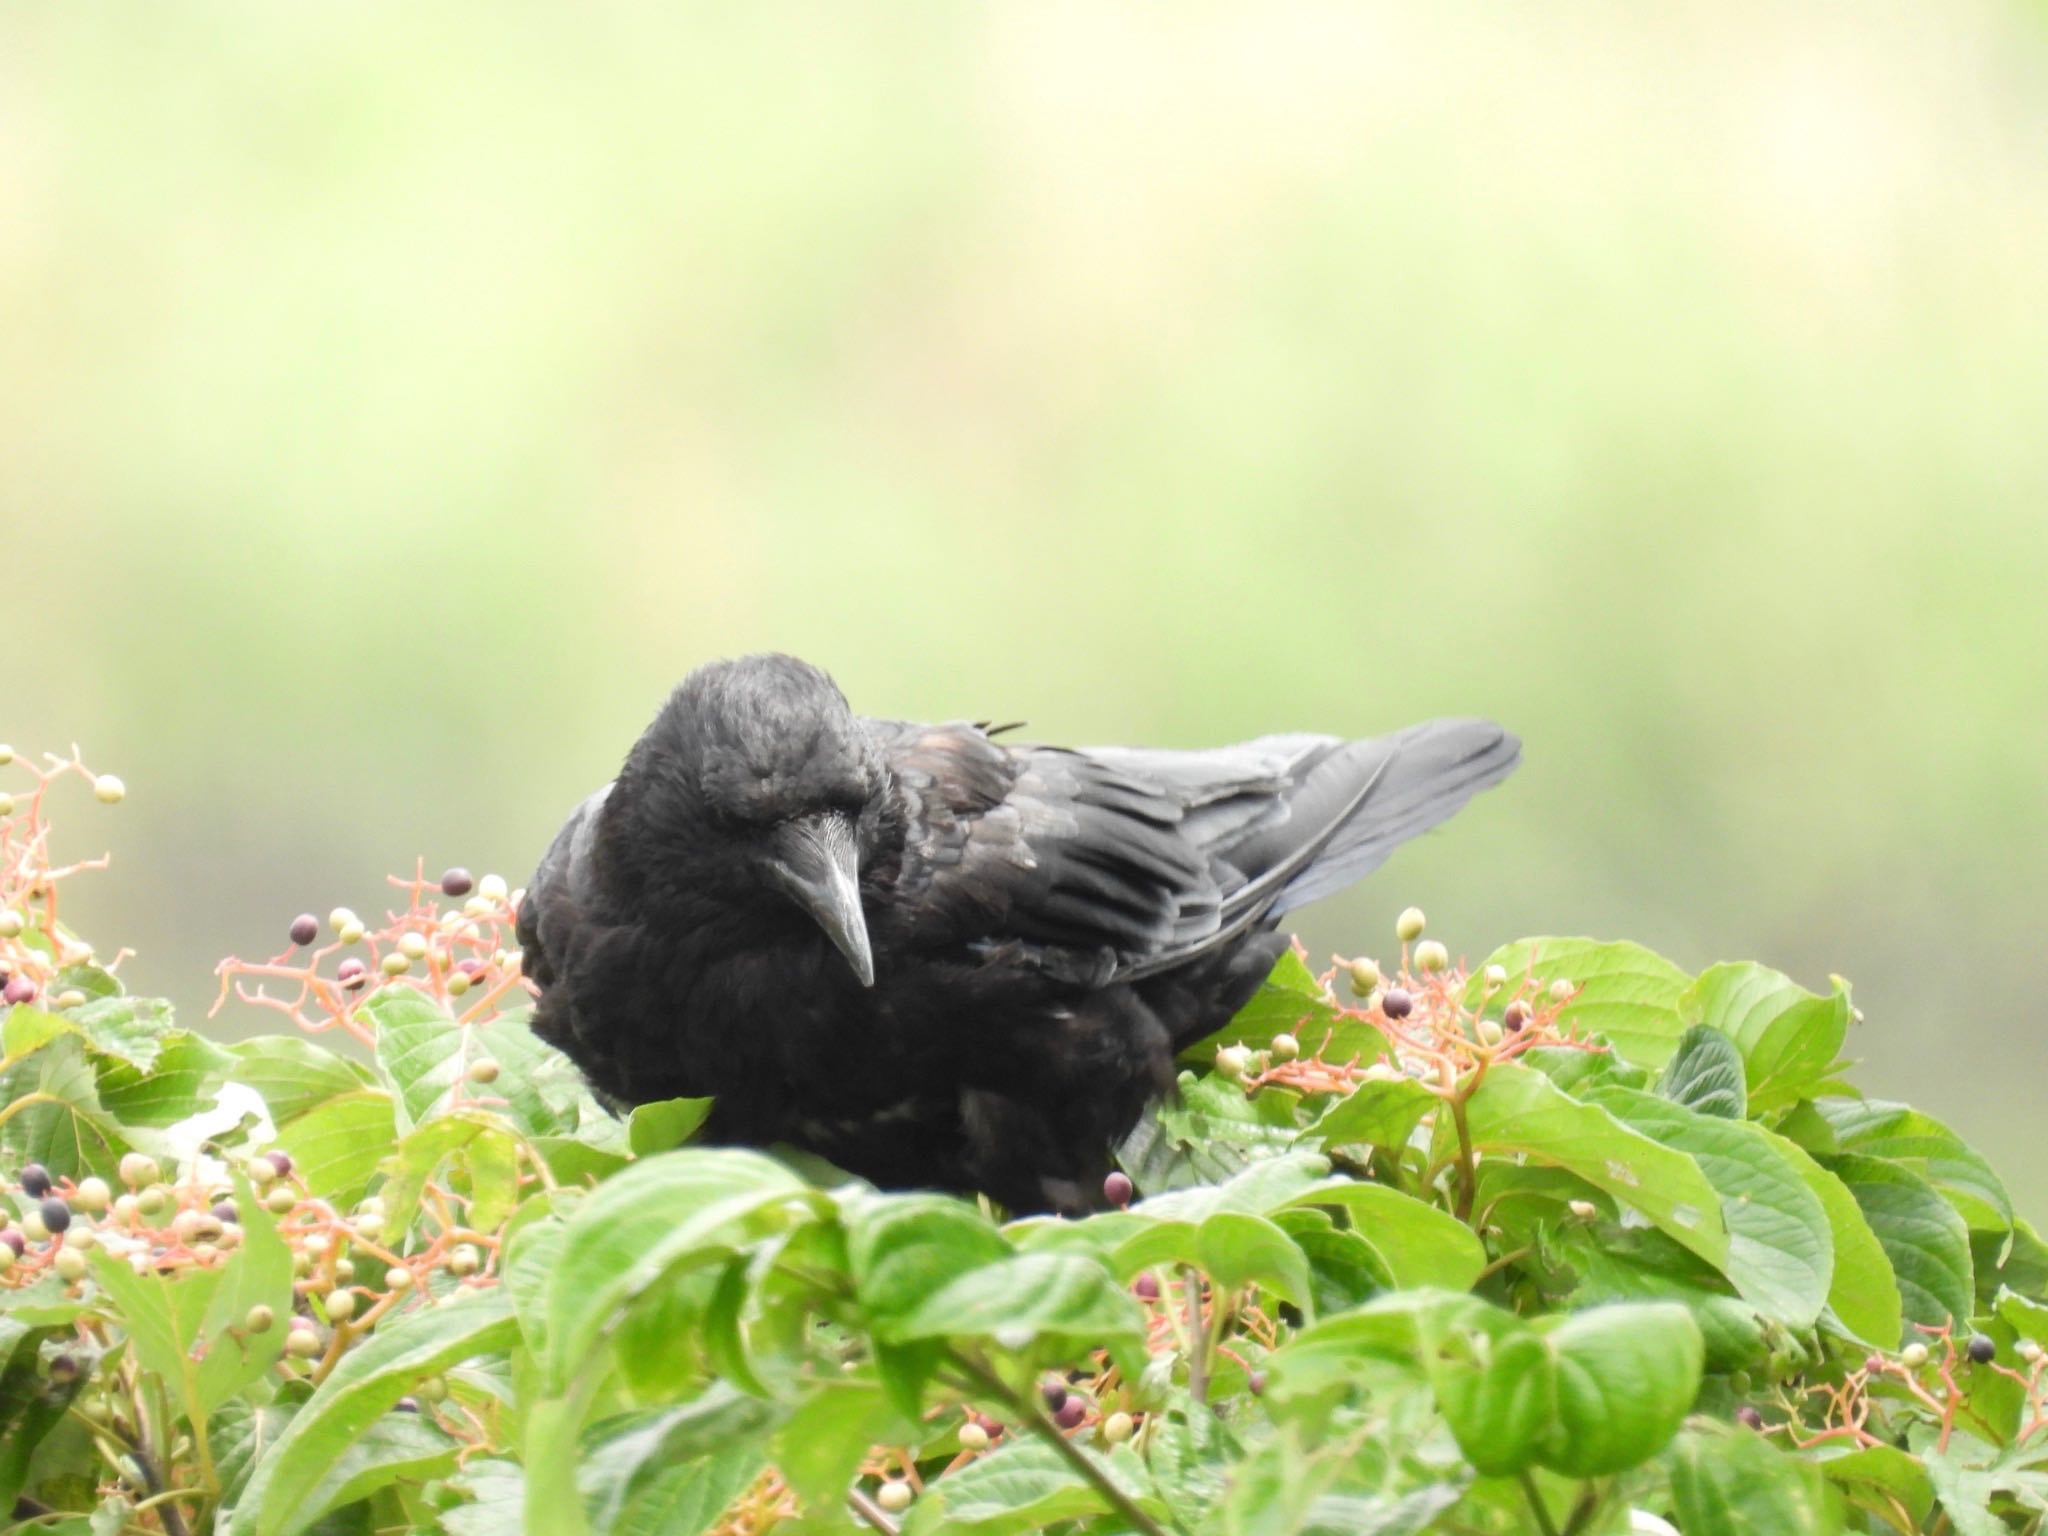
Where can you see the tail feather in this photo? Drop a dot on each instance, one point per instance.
(1423, 774)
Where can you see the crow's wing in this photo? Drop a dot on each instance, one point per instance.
(1153, 857)
(559, 893)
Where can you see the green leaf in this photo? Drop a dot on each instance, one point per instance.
(1780, 1255)
(1516, 1110)
(1706, 1074)
(1884, 1480)
(1233, 1249)
(480, 1147)
(1626, 993)
(125, 1029)
(1209, 1131)
(393, 1447)
(257, 1273)
(822, 1444)
(291, 1074)
(1732, 1482)
(672, 1470)
(1921, 1233)
(1024, 1486)
(164, 1315)
(1864, 1293)
(1789, 1037)
(1381, 1113)
(1626, 1377)
(185, 1079)
(496, 1505)
(901, 1248)
(241, 1433)
(1498, 1391)
(1030, 1296)
(65, 1127)
(1257, 1190)
(284, 1491)
(664, 1124)
(1923, 1144)
(336, 1146)
(1271, 1490)
(694, 1206)
(1416, 1243)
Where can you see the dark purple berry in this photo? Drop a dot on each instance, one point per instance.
(350, 973)
(35, 1181)
(470, 968)
(1117, 1189)
(281, 1161)
(13, 1239)
(457, 882)
(1982, 1348)
(1516, 1015)
(1146, 1287)
(1748, 1417)
(407, 1405)
(1257, 1382)
(1070, 1413)
(1055, 1395)
(1396, 1003)
(224, 1210)
(56, 1215)
(64, 1368)
(305, 929)
(19, 989)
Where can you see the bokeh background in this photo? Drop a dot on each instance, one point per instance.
(396, 400)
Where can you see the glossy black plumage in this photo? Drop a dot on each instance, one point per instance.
(1047, 927)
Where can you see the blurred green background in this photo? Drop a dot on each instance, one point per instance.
(396, 400)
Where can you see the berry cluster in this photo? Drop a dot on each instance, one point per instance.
(455, 939)
(1442, 1031)
(40, 959)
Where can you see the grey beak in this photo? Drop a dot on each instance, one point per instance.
(817, 861)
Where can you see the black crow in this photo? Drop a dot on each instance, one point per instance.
(935, 958)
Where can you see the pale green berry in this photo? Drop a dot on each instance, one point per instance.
(394, 964)
(894, 1495)
(1233, 1061)
(6, 804)
(476, 906)
(1496, 977)
(1408, 926)
(280, 1199)
(493, 888)
(261, 1171)
(139, 1169)
(483, 1070)
(303, 1343)
(32, 1226)
(413, 946)
(1584, 1210)
(1431, 955)
(340, 918)
(1913, 1356)
(71, 997)
(344, 1270)
(11, 924)
(108, 788)
(458, 983)
(397, 1278)
(155, 1203)
(369, 1224)
(2028, 1350)
(70, 1264)
(432, 1390)
(1116, 1429)
(465, 1260)
(1489, 1031)
(259, 1319)
(317, 1243)
(1285, 1047)
(6, 754)
(341, 1305)
(973, 1437)
(1561, 990)
(6, 1258)
(93, 1195)
(1365, 977)
(351, 933)
(79, 1235)
(127, 1207)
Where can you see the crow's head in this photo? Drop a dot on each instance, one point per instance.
(755, 785)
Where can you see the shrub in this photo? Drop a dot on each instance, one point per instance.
(1544, 1245)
